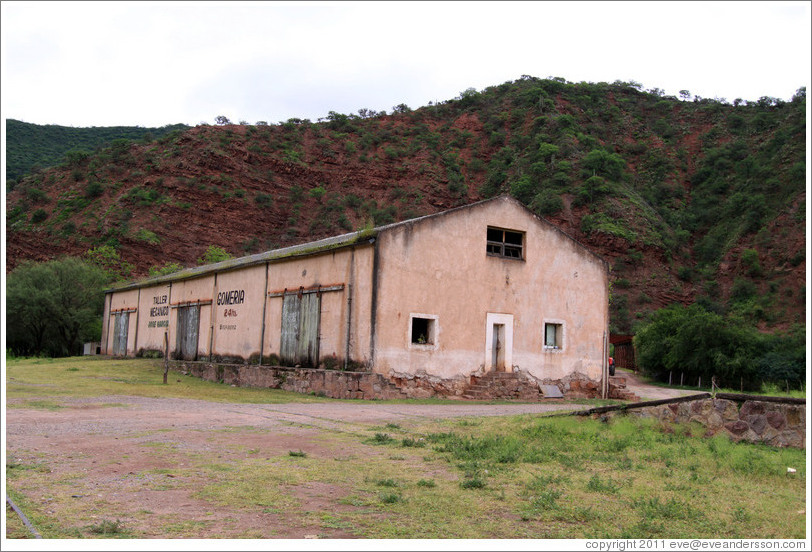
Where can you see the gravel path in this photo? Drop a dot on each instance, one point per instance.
(131, 414)
(648, 392)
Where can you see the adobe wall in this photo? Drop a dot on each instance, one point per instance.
(440, 269)
(770, 420)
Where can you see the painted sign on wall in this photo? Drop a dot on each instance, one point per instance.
(160, 309)
(224, 300)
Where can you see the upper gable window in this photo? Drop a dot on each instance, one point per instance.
(505, 243)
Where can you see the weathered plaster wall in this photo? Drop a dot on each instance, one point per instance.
(345, 320)
(237, 302)
(127, 301)
(439, 267)
(153, 318)
(193, 291)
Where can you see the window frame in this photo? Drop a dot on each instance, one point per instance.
(433, 330)
(560, 336)
(499, 248)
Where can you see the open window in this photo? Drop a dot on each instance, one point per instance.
(553, 336)
(423, 330)
(508, 244)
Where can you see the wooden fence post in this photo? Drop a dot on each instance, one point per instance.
(166, 355)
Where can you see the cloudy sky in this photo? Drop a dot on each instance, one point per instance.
(151, 64)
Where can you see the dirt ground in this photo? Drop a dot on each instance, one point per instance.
(132, 458)
(648, 392)
(139, 459)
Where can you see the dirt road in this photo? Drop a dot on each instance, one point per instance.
(648, 392)
(144, 461)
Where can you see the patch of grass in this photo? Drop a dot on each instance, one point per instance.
(668, 509)
(391, 498)
(186, 528)
(107, 528)
(599, 485)
(39, 404)
(51, 379)
(297, 454)
(380, 439)
(474, 482)
(17, 468)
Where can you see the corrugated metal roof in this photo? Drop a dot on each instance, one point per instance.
(360, 237)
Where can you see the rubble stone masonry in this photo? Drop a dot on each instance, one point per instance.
(770, 421)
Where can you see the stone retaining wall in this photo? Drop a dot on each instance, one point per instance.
(328, 383)
(770, 420)
(369, 385)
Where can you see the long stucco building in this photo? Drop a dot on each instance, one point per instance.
(431, 304)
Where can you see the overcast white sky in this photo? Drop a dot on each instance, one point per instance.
(152, 64)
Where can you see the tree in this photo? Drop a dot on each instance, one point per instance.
(685, 94)
(602, 163)
(222, 120)
(53, 307)
(698, 343)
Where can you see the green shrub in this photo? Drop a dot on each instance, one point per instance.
(318, 192)
(524, 189)
(94, 189)
(751, 262)
(167, 268)
(547, 203)
(602, 163)
(214, 254)
(263, 199)
(147, 236)
(144, 196)
(39, 216)
(35, 195)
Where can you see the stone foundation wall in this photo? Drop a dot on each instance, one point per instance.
(422, 385)
(773, 422)
(369, 385)
(328, 383)
(517, 385)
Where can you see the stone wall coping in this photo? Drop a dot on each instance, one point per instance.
(735, 397)
(742, 398)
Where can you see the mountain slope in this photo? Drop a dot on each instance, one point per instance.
(689, 201)
(30, 146)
